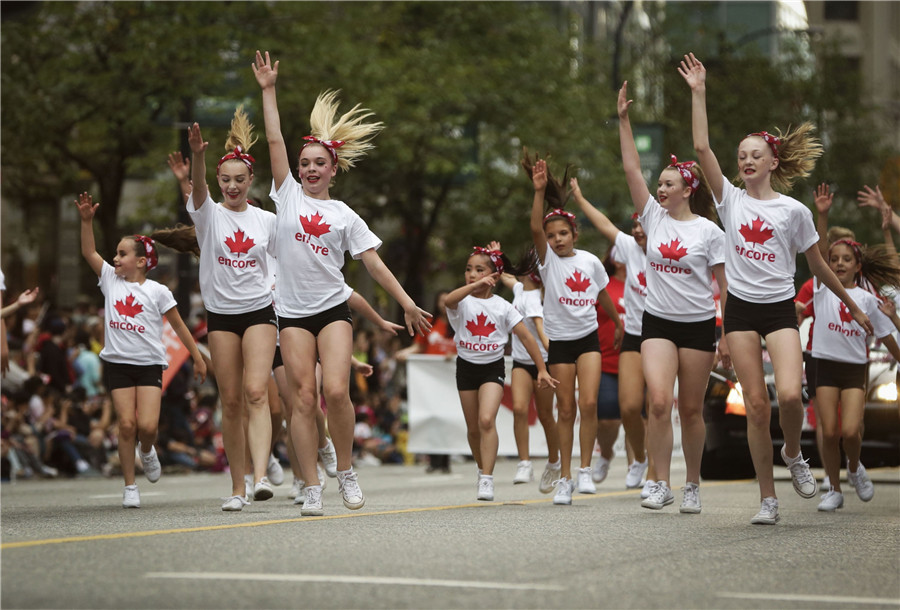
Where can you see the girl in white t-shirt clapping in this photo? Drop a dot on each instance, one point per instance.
(841, 359)
(685, 249)
(483, 322)
(133, 353)
(313, 231)
(574, 283)
(764, 230)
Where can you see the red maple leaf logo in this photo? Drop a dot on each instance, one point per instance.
(240, 244)
(845, 314)
(129, 308)
(642, 279)
(480, 326)
(578, 282)
(314, 225)
(673, 250)
(754, 233)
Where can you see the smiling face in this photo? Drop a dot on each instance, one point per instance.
(756, 161)
(560, 236)
(126, 261)
(317, 169)
(844, 263)
(637, 232)
(671, 189)
(234, 180)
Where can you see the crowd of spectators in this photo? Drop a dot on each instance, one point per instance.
(58, 420)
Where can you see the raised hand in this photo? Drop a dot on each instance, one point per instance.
(195, 139)
(266, 73)
(824, 198)
(693, 72)
(181, 167)
(27, 297)
(869, 198)
(539, 175)
(623, 103)
(887, 307)
(494, 245)
(86, 207)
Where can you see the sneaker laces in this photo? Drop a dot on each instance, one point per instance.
(800, 471)
(769, 505)
(348, 484)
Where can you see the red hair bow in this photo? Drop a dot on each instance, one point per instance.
(685, 170)
(149, 249)
(240, 155)
(496, 257)
(568, 216)
(773, 141)
(330, 145)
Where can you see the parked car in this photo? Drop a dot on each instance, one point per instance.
(727, 454)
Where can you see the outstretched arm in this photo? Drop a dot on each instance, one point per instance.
(86, 209)
(823, 201)
(184, 335)
(198, 166)
(824, 274)
(416, 318)
(874, 199)
(454, 297)
(26, 298)
(181, 169)
(544, 379)
(359, 304)
(539, 179)
(266, 74)
(631, 160)
(694, 74)
(600, 220)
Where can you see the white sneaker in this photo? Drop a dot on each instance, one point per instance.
(825, 485)
(248, 485)
(804, 481)
(660, 495)
(635, 474)
(768, 512)
(831, 501)
(648, 485)
(150, 462)
(312, 506)
(486, 488)
(131, 497)
(329, 459)
(549, 478)
(524, 473)
(296, 487)
(274, 471)
(861, 481)
(585, 482)
(601, 470)
(563, 493)
(350, 491)
(691, 502)
(323, 476)
(262, 490)
(235, 503)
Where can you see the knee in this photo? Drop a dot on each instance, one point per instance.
(566, 413)
(127, 428)
(660, 407)
(830, 434)
(790, 399)
(256, 396)
(335, 394)
(486, 424)
(851, 431)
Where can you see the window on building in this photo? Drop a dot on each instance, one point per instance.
(841, 11)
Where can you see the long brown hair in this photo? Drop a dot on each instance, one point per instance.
(181, 238)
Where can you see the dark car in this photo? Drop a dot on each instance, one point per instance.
(727, 454)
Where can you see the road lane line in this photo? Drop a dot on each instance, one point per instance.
(354, 580)
(814, 599)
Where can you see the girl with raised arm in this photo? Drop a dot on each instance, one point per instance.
(313, 231)
(133, 353)
(574, 283)
(685, 250)
(764, 230)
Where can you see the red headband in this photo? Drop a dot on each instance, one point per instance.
(773, 141)
(240, 155)
(568, 216)
(150, 249)
(854, 245)
(496, 257)
(330, 145)
(685, 170)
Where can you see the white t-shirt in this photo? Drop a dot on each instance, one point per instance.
(838, 337)
(528, 304)
(234, 267)
(311, 238)
(762, 239)
(680, 257)
(482, 327)
(571, 286)
(134, 319)
(630, 254)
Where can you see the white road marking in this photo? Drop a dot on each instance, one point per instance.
(356, 580)
(815, 599)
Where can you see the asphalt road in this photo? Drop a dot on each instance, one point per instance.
(422, 541)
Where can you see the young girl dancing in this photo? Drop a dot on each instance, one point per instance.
(524, 385)
(764, 230)
(685, 248)
(483, 322)
(133, 353)
(574, 283)
(630, 250)
(312, 233)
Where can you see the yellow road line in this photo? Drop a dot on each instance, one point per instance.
(401, 511)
